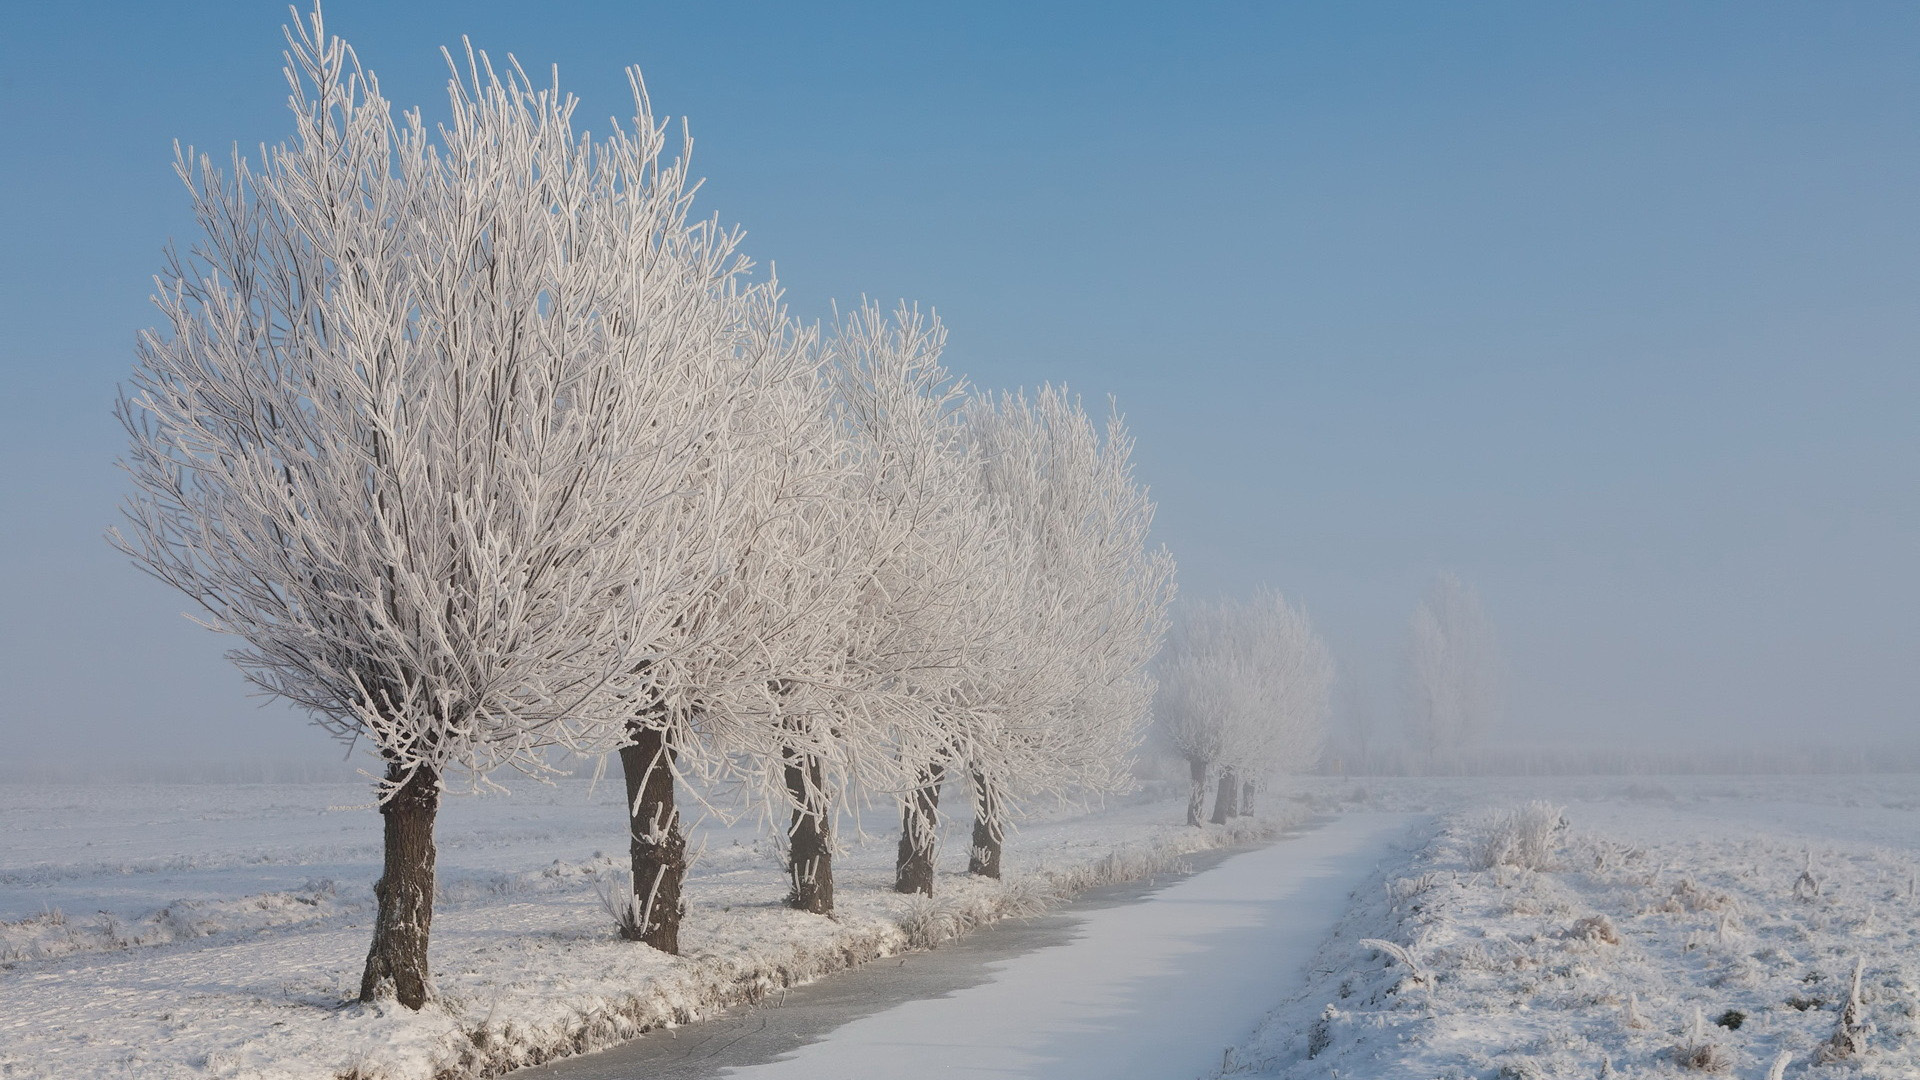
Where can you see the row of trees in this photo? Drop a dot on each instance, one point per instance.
(1245, 689)
(484, 446)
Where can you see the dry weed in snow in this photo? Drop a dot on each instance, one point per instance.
(1524, 836)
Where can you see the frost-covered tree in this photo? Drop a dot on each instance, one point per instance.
(810, 671)
(1456, 676)
(1245, 687)
(775, 527)
(934, 609)
(1065, 702)
(421, 403)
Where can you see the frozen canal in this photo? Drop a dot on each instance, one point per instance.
(1132, 981)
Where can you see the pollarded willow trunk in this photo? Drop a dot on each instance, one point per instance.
(657, 847)
(397, 962)
(919, 834)
(1246, 798)
(988, 831)
(809, 839)
(1197, 798)
(1223, 800)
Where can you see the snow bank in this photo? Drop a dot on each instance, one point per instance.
(188, 973)
(1654, 937)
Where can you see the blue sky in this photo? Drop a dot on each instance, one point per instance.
(1611, 309)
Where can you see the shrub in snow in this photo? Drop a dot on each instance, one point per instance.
(1595, 929)
(1525, 837)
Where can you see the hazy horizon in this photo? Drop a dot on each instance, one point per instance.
(1610, 311)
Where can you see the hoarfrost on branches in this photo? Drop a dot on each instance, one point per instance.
(423, 406)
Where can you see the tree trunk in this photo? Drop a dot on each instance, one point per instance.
(657, 847)
(919, 834)
(809, 840)
(1197, 799)
(1246, 798)
(1223, 800)
(987, 829)
(397, 962)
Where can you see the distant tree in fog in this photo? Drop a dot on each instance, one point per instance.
(1244, 689)
(1456, 678)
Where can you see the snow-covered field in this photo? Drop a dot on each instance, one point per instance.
(1672, 927)
(180, 930)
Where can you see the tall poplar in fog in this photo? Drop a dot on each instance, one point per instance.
(1456, 678)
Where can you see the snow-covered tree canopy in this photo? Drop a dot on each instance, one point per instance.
(935, 593)
(483, 446)
(419, 425)
(1090, 598)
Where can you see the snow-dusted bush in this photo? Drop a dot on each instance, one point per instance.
(1525, 836)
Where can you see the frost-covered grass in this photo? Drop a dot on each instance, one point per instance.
(177, 931)
(1682, 928)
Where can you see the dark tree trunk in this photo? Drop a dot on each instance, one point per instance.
(397, 962)
(655, 843)
(987, 829)
(1197, 799)
(809, 841)
(1223, 800)
(1246, 798)
(919, 834)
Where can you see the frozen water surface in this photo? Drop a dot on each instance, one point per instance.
(1155, 987)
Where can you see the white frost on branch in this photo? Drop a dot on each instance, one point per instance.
(1089, 604)
(424, 406)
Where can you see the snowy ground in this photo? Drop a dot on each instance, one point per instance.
(1669, 932)
(214, 931)
(208, 931)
